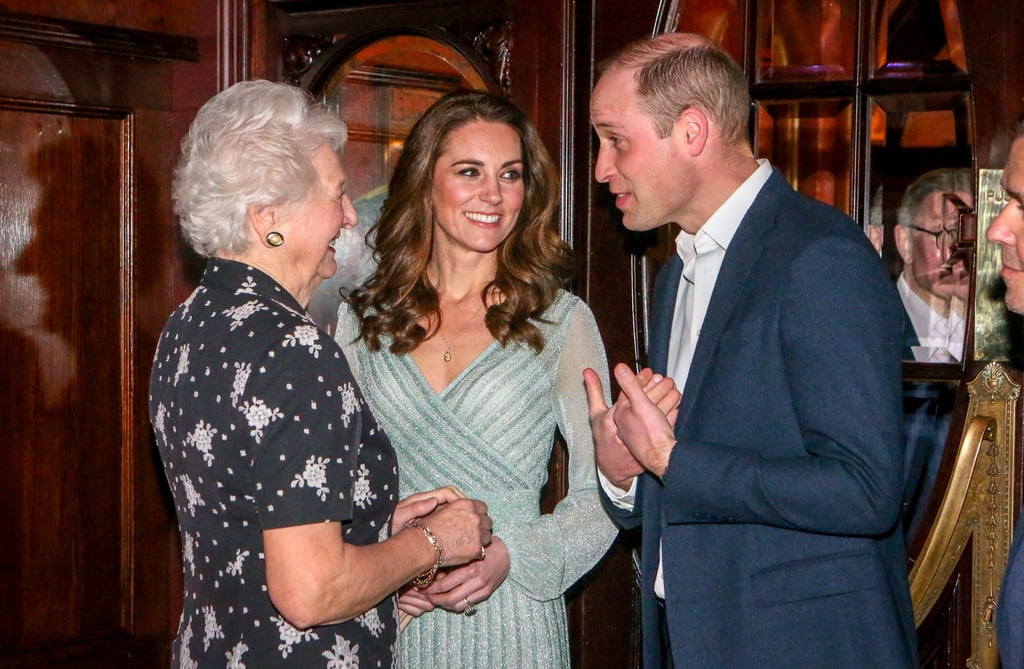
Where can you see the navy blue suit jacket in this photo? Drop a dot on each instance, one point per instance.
(778, 516)
(1010, 610)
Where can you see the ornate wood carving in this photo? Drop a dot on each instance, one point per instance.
(494, 44)
(976, 511)
(299, 52)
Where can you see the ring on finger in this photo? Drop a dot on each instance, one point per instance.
(483, 552)
(470, 610)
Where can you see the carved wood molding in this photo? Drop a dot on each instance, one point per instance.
(493, 43)
(43, 31)
(489, 43)
(976, 510)
(299, 52)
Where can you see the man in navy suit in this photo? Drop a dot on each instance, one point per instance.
(769, 489)
(1007, 230)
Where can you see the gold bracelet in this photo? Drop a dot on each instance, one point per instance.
(427, 577)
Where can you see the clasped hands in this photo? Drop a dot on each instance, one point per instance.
(637, 432)
(460, 582)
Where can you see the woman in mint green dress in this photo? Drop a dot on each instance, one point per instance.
(470, 354)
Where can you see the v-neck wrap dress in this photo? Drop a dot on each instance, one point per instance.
(490, 432)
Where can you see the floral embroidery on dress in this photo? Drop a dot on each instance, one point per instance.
(188, 552)
(182, 363)
(259, 416)
(372, 622)
(191, 494)
(242, 372)
(248, 287)
(291, 636)
(202, 439)
(243, 311)
(158, 422)
(185, 660)
(342, 654)
(307, 336)
(235, 656)
(187, 304)
(349, 403)
(314, 476)
(235, 566)
(211, 630)
(361, 493)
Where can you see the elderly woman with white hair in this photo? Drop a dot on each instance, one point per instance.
(293, 538)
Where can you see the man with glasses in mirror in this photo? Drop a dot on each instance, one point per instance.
(933, 290)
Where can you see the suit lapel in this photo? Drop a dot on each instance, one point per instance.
(733, 278)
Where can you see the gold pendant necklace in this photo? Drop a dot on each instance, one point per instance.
(447, 357)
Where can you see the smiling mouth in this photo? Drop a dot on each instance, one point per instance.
(483, 218)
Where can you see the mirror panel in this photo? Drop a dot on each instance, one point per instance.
(918, 37)
(806, 39)
(920, 152)
(810, 142)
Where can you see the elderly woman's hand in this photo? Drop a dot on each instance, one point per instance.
(420, 504)
(462, 527)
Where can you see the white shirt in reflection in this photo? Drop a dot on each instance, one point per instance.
(940, 338)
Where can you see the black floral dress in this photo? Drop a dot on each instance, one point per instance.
(260, 425)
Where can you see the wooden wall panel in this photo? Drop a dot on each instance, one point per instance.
(91, 569)
(62, 304)
(153, 15)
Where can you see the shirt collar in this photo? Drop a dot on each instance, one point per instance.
(718, 231)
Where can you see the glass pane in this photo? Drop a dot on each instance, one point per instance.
(920, 152)
(806, 39)
(380, 92)
(810, 143)
(919, 36)
(721, 20)
(927, 414)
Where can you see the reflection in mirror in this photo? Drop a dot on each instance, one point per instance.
(920, 154)
(927, 414)
(809, 141)
(721, 20)
(934, 292)
(790, 53)
(919, 36)
(380, 91)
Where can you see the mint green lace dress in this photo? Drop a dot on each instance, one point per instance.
(490, 433)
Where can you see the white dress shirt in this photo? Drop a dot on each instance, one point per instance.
(702, 256)
(940, 338)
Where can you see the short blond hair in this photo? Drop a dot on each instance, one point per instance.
(676, 71)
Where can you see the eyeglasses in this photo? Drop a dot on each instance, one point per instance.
(945, 239)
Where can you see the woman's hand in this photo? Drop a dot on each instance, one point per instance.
(412, 602)
(420, 504)
(462, 527)
(472, 582)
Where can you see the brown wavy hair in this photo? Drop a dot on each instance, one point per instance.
(533, 261)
